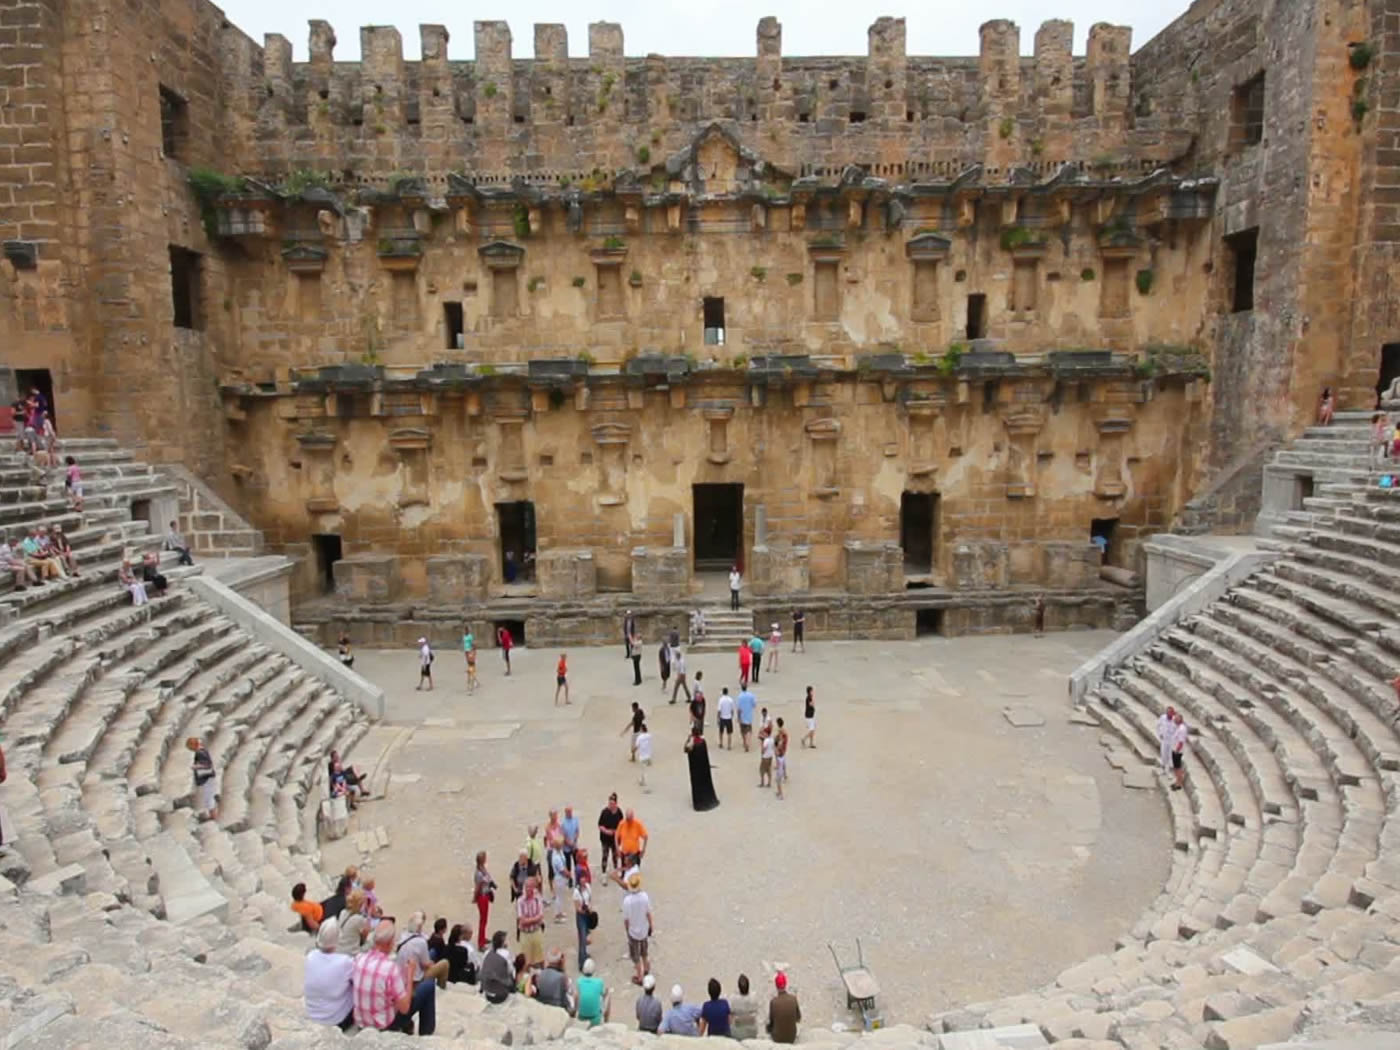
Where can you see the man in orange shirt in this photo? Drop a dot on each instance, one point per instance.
(310, 912)
(631, 840)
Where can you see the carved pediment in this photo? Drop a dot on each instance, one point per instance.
(501, 255)
(927, 247)
(717, 163)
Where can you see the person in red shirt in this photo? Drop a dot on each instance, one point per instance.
(745, 662)
(561, 679)
(505, 641)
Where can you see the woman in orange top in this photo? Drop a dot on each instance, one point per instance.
(561, 679)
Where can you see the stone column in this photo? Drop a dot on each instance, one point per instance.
(1022, 427)
(318, 471)
(1108, 473)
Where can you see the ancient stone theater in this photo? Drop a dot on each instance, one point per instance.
(909, 340)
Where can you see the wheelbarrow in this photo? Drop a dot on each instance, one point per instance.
(861, 988)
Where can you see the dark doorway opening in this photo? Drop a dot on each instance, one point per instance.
(1390, 367)
(1244, 249)
(141, 511)
(1101, 532)
(515, 627)
(517, 532)
(714, 321)
(976, 316)
(718, 517)
(452, 324)
(27, 379)
(1303, 488)
(927, 622)
(327, 549)
(918, 524)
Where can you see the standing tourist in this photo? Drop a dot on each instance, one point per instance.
(775, 643)
(745, 705)
(697, 704)
(724, 711)
(570, 829)
(635, 653)
(799, 626)
(608, 821)
(583, 908)
(1326, 406)
(783, 1012)
(1179, 738)
(505, 641)
(643, 755)
(638, 925)
(678, 667)
(634, 724)
(702, 783)
(561, 679)
(529, 918)
(745, 663)
(206, 805)
(469, 654)
(734, 581)
(629, 629)
(1166, 730)
(632, 841)
(765, 758)
(483, 893)
(663, 660)
(425, 664)
(809, 713)
(756, 648)
(780, 746)
(73, 482)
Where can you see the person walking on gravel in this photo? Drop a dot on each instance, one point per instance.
(425, 664)
(809, 713)
(505, 641)
(678, 668)
(206, 804)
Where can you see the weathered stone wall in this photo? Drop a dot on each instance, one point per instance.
(609, 462)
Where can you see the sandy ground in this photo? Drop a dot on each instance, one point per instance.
(973, 859)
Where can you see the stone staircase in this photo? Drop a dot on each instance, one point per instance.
(725, 628)
(1315, 474)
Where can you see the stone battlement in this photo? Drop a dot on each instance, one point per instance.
(498, 112)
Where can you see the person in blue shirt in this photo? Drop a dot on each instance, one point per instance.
(714, 1015)
(746, 702)
(682, 1018)
(569, 826)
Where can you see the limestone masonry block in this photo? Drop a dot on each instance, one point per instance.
(371, 578)
(566, 573)
(457, 578)
(661, 573)
(980, 566)
(779, 569)
(874, 567)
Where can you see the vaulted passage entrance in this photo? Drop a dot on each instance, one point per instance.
(516, 527)
(918, 519)
(718, 519)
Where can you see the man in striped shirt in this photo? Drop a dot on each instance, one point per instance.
(529, 914)
(384, 997)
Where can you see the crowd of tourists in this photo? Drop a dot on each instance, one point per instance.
(370, 970)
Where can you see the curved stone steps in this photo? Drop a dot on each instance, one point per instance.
(1317, 815)
(243, 741)
(298, 800)
(1212, 895)
(278, 735)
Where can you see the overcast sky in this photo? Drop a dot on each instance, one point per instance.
(717, 28)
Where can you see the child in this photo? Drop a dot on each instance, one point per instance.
(561, 679)
(73, 482)
(1380, 438)
(472, 682)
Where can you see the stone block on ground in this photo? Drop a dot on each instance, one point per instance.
(373, 579)
(566, 573)
(1010, 1037)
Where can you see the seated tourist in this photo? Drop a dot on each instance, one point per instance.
(354, 780)
(743, 1012)
(64, 550)
(150, 572)
(45, 566)
(461, 958)
(437, 941)
(128, 580)
(783, 1012)
(341, 786)
(49, 551)
(496, 976)
(18, 567)
(384, 998)
(682, 1018)
(354, 925)
(551, 985)
(333, 905)
(594, 1000)
(310, 912)
(327, 989)
(175, 542)
(648, 1006)
(413, 952)
(343, 651)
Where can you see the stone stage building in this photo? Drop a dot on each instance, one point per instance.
(529, 339)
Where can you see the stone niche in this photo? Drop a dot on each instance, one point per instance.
(780, 568)
(369, 578)
(566, 573)
(980, 566)
(661, 573)
(454, 579)
(1069, 564)
(874, 567)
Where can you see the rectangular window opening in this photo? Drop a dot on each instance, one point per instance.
(504, 293)
(918, 531)
(1101, 532)
(184, 287)
(713, 312)
(1243, 249)
(174, 124)
(453, 326)
(976, 316)
(327, 549)
(610, 292)
(1113, 289)
(928, 622)
(827, 291)
(1247, 112)
(925, 290)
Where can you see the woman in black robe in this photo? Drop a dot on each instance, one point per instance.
(702, 784)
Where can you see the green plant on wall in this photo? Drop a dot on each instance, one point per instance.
(1006, 127)
(635, 279)
(208, 187)
(1087, 274)
(534, 283)
(303, 179)
(643, 155)
(1144, 281)
(952, 357)
(739, 361)
(586, 358)
(1014, 237)
(520, 219)
(758, 273)
(489, 89)
(613, 244)
(1360, 55)
(579, 282)
(794, 279)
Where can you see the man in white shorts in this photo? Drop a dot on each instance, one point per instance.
(809, 713)
(725, 713)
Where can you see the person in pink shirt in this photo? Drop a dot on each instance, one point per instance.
(745, 664)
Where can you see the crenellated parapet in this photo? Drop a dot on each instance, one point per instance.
(496, 112)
